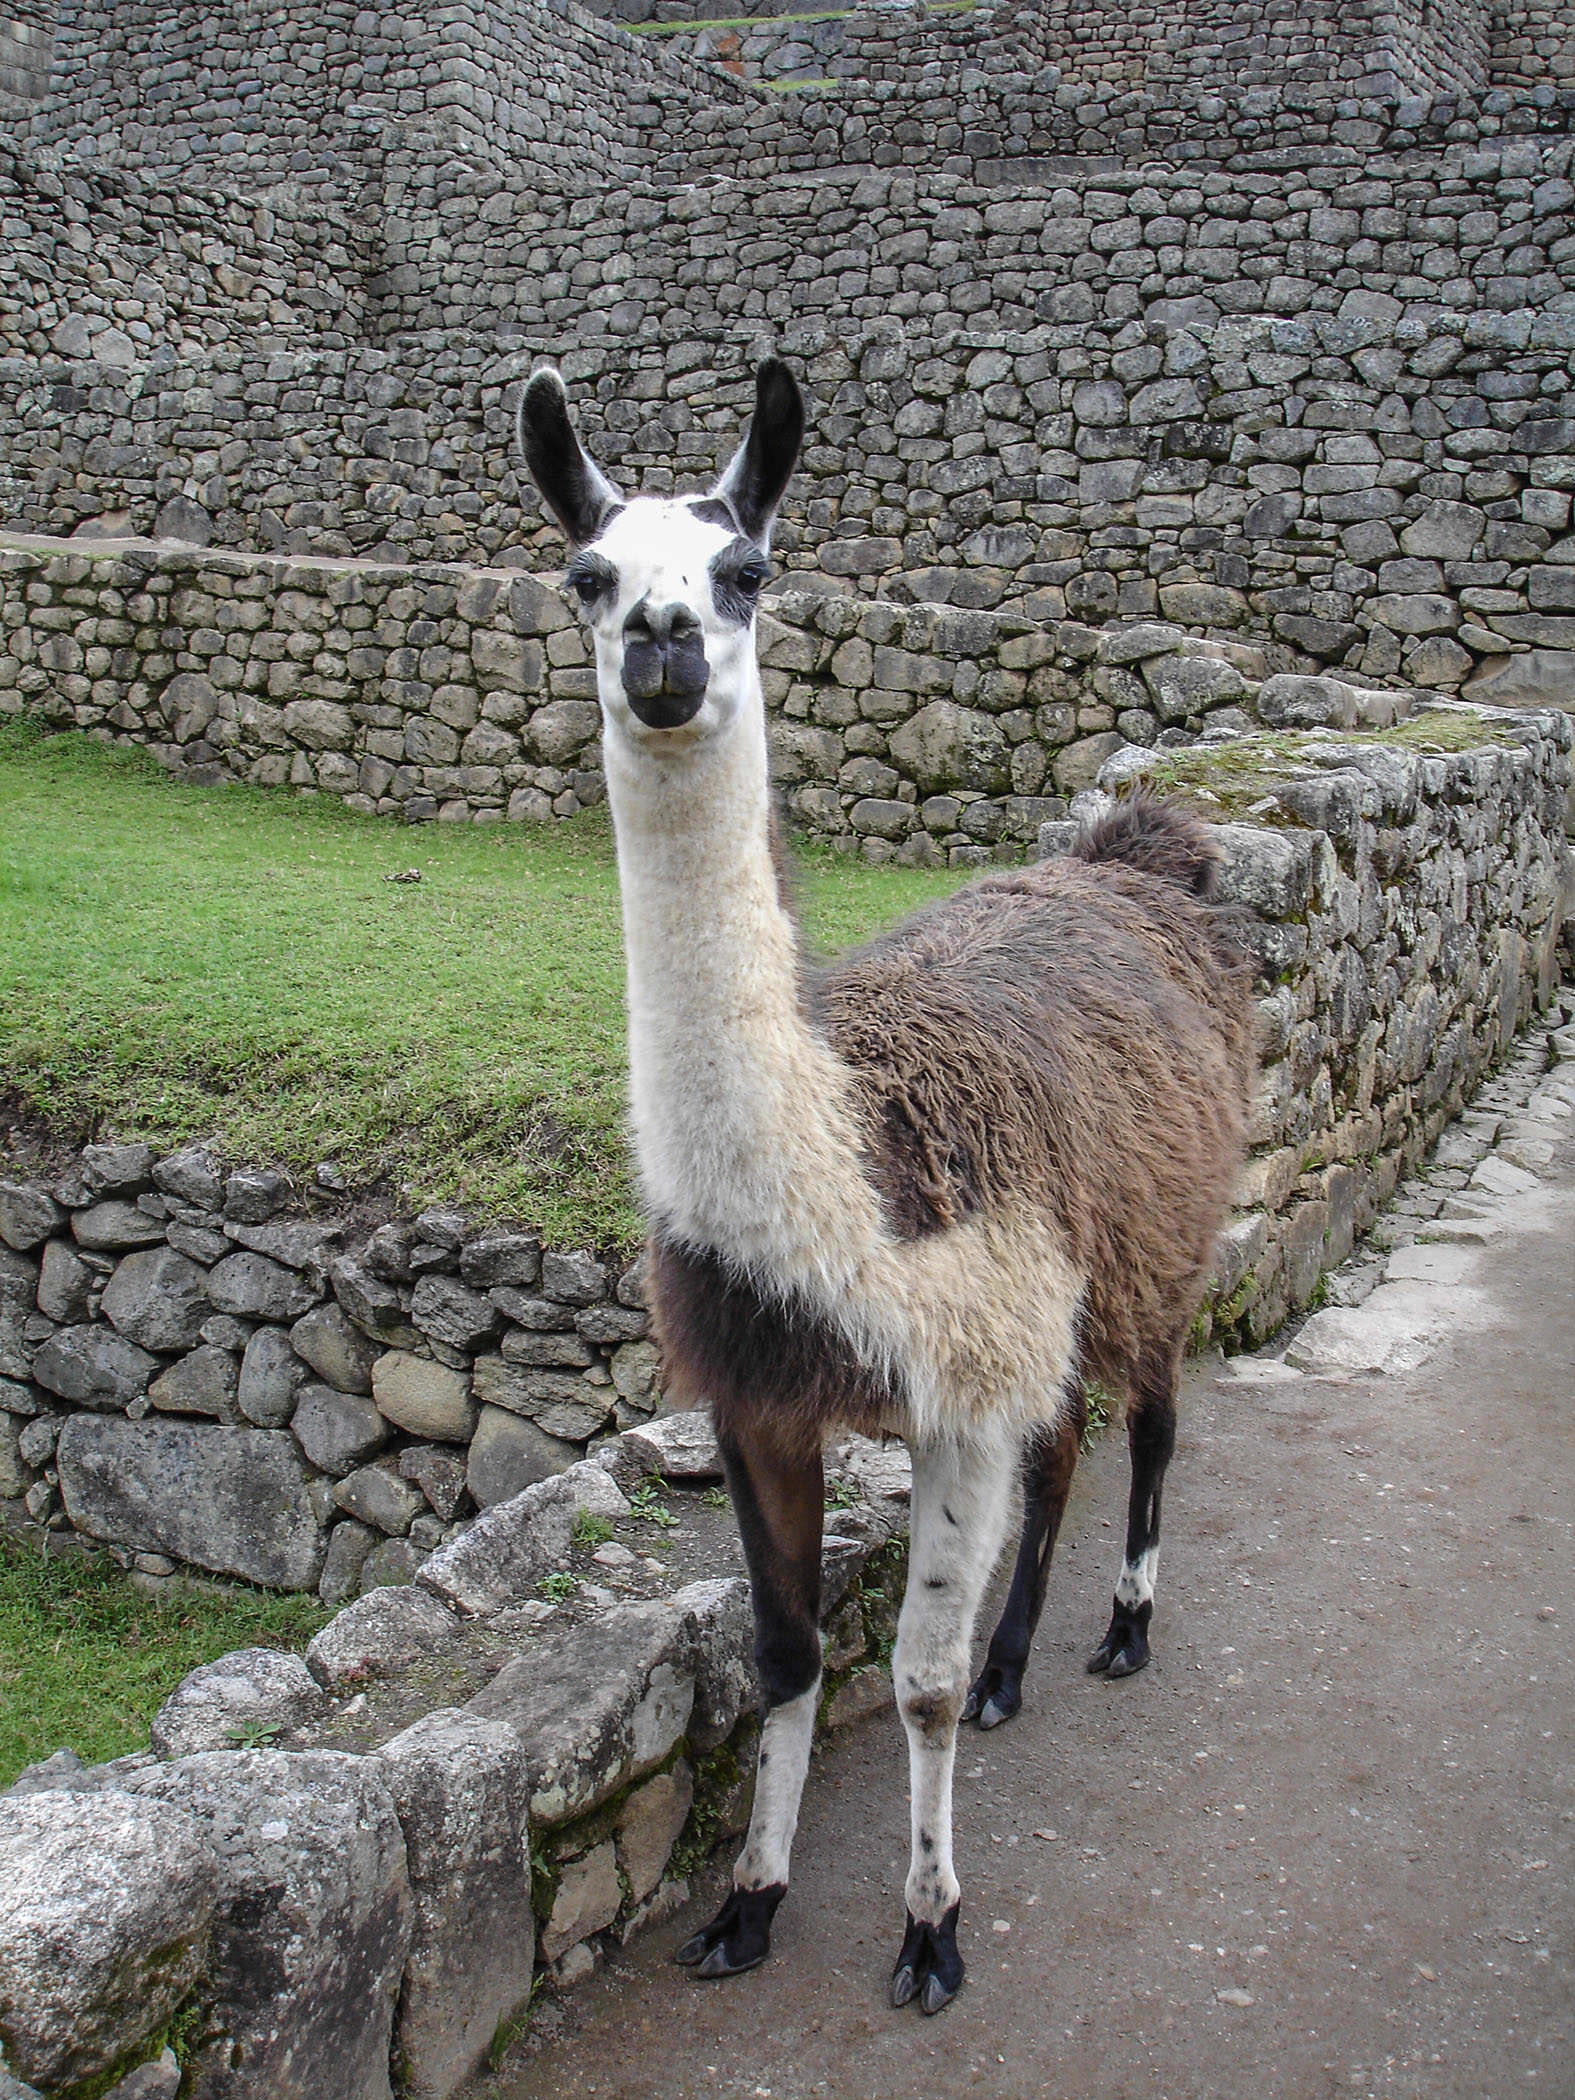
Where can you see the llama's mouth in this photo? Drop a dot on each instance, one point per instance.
(665, 681)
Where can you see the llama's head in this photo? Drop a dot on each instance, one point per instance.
(668, 584)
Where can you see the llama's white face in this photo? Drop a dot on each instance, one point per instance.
(668, 585)
(668, 590)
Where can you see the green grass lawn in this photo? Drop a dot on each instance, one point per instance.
(86, 1660)
(227, 963)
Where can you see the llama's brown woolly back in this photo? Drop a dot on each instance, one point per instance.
(1158, 838)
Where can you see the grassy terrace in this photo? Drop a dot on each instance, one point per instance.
(233, 964)
(86, 1660)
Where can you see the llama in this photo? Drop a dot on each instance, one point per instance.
(930, 1190)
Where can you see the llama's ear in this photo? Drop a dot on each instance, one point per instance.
(753, 484)
(578, 493)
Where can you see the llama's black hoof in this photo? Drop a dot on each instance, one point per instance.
(997, 1694)
(737, 1938)
(929, 1967)
(1124, 1648)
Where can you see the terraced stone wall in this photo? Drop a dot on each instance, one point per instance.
(923, 732)
(1533, 43)
(208, 1368)
(1407, 893)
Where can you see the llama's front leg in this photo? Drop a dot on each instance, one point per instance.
(779, 1500)
(961, 1491)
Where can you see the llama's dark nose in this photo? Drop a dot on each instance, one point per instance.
(665, 672)
(663, 623)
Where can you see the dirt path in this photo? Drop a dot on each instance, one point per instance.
(1324, 1846)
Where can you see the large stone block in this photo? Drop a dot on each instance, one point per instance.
(27, 1215)
(510, 1453)
(596, 1705)
(458, 1786)
(105, 1907)
(251, 1692)
(259, 1289)
(505, 1553)
(233, 1500)
(380, 1634)
(946, 746)
(157, 1299)
(94, 1366)
(311, 1923)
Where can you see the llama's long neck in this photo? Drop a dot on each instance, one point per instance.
(742, 1124)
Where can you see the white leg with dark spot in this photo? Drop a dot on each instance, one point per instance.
(780, 1771)
(961, 1496)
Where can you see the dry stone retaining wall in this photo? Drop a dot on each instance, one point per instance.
(929, 732)
(194, 1371)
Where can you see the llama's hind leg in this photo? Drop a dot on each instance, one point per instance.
(779, 1500)
(1151, 1438)
(1049, 1461)
(961, 1493)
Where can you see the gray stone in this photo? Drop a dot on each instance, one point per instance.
(27, 1215)
(202, 1383)
(271, 1375)
(259, 1289)
(1270, 870)
(392, 1563)
(64, 1284)
(510, 1453)
(15, 1476)
(505, 1553)
(452, 1313)
(312, 1921)
(458, 1785)
(1535, 678)
(249, 1694)
(349, 1543)
(379, 1635)
(726, 1686)
(649, 1825)
(158, 2080)
(573, 1279)
(1394, 1330)
(94, 1367)
(158, 1299)
(380, 1498)
(253, 1194)
(106, 1903)
(1189, 685)
(1444, 532)
(596, 1705)
(192, 1176)
(339, 1353)
(231, 1500)
(118, 1170)
(371, 1303)
(426, 1398)
(439, 1473)
(588, 1899)
(337, 1431)
(946, 746)
(562, 1404)
(507, 1258)
(679, 1446)
(115, 1225)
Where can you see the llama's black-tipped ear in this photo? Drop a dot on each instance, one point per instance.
(578, 493)
(760, 469)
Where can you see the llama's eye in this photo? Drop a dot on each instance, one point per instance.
(586, 587)
(752, 576)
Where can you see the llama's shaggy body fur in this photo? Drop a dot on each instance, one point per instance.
(1044, 1081)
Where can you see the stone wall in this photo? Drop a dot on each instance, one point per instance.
(27, 36)
(1533, 42)
(202, 1368)
(1407, 894)
(1067, 401)
(923, 731)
